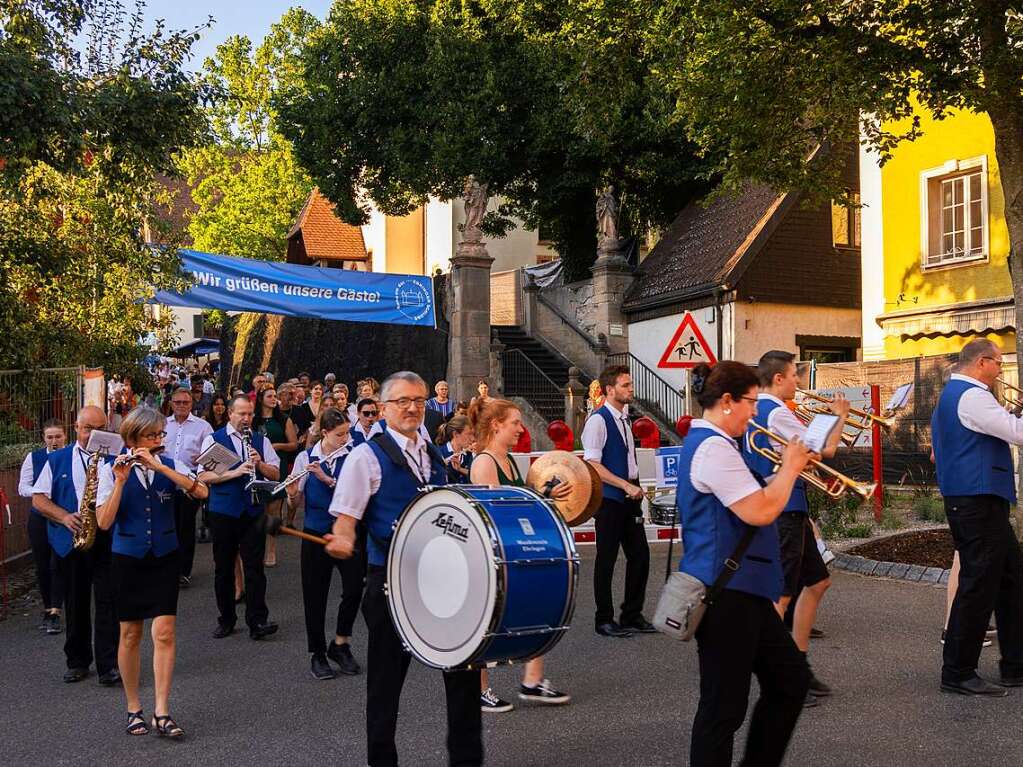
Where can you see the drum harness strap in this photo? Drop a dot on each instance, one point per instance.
(386, 443)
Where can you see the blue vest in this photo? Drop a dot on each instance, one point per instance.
(62, 493)
(317, 499)
(397, 489)
(710, 533)
(145, 519)
(38, 462)
(615, 456)
(967, 462)
(797, 500)
(357, 438)
(230, 498)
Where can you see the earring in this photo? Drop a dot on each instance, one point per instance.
(727, 411)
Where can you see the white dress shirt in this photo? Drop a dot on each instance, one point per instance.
(366, 433)
(594, 437)
(783, 421)
(145, 476)
(378, 429)
(718, 467)
(269, 454)
(361, 475)
(979, 411)
(25, 482)
(302, 460)
(79, 462)
(184, 440)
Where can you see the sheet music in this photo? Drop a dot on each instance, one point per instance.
(217, 458)
(106, 442)
(818, 431)
(900, 397)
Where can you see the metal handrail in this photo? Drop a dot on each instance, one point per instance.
(522, 378)
(650, 389)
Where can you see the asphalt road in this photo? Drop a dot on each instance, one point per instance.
(245, 702)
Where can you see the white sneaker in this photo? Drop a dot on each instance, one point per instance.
(826, 554)
(489, 702)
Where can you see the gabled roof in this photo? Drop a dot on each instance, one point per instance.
(318, 234)
(707, 247)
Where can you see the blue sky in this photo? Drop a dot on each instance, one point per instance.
(232, 17)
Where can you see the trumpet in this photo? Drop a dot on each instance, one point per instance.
(833, 482)
(858, 419)
(1012, 396)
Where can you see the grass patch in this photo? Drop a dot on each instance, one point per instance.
(929, 509)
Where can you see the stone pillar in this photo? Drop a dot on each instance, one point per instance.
(496, 377)
(529, 300)
(575, 402)
(469, 344)
(612, 276)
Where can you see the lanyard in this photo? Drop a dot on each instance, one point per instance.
(420, 474)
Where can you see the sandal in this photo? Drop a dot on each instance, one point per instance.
(136, 724)
(166, 727)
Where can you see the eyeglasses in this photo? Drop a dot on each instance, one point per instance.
(154, 435)
(369, 413)
(750, 399)
(996, 360)
(405, 403)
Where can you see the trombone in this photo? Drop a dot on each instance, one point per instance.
(834, 483)
(1012, 396)
(858, 419)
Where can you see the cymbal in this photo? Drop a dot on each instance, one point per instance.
(561, 466)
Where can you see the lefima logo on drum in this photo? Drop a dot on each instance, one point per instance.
(446, 522)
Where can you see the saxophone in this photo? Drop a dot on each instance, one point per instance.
(86, 537)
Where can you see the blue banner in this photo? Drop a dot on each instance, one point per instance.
(250, 285)
(668, 459)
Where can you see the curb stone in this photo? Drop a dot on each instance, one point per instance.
(900, 571)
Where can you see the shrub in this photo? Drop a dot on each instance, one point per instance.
(891, 519)
(928, 508)
(859, 530)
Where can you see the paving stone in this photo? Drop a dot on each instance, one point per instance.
(841, 561)
(944, 577)
(868, 566)
(883, 568)
(914, 572)
(898, 570)
(931, 575)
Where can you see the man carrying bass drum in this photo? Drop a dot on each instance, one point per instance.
(741, 633)
(378, 480)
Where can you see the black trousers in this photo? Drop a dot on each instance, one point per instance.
(51, 585)
(88, 577)
(620, 524)
(185, 509)
(317, 566)
(990, 579)
(387, 664)
(233, 536)
(741, 635)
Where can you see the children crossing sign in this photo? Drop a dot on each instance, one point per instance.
(688, 346)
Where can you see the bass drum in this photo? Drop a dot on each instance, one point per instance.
(480, 576)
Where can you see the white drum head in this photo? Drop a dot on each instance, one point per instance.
(441, 578)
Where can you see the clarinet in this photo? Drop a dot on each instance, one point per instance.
(247, 445)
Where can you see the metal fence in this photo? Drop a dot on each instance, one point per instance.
(522, 378)
(28, 399)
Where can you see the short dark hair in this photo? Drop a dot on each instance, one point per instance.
(303, 373)
(609, 376)
(365, 401)
(773, 363)
(975, 349)
(54, 423)
(331, 418)
(710, 384)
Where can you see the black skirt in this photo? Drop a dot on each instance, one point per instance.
(147, 587)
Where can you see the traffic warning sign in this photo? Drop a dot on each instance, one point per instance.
(688, 347)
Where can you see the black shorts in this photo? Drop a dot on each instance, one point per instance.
(801, 562)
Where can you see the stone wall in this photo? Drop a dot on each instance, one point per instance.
(576, 301)
(559, 335)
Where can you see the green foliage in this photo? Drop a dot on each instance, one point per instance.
(859, 530)
(246, 182)
(834, 517)
(74, 204)
(891, 519)
(401, 100)
(928, 508)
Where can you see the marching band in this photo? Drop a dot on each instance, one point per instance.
(744, 470)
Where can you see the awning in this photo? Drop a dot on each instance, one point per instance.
(196, 348)
(965, 318)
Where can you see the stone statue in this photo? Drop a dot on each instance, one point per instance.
(475, 196)
(607, 218)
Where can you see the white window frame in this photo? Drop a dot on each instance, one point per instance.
(935, 175)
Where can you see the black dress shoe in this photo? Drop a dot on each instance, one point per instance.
(639, 626)
(320, 669)
(1011, 680)
(612, 629)
(818, 688)
(222, 631)
(975, 686)
(816, 633)
(111, 678)
(341, 654)
(263, 630)
(75, 674)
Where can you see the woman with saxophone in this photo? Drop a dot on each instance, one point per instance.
(136, 500)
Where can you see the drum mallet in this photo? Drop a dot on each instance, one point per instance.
(275, 526)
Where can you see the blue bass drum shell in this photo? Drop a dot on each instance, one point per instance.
(480, 576)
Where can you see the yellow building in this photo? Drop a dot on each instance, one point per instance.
(935, 243)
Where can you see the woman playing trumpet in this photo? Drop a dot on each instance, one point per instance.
(136, 498)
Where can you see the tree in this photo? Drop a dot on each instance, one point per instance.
(401, 100)
(74, 199)
(246, 182)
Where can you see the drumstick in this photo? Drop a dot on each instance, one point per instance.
(275, 526)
